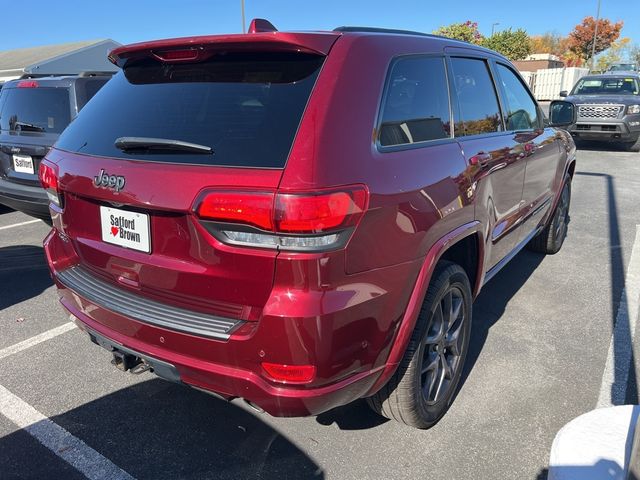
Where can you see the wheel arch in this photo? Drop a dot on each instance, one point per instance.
(450, 247)
(572, 168)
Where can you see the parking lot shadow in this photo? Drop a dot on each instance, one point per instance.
(156, 429)
(23, 274)
(493, 299)
(600, 146)
(354, 416)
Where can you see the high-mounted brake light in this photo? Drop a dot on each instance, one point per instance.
(183, 55)
(48, 175)
(289, 373)
(286, 220)
(28, 84)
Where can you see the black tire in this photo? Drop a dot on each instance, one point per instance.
(408, 397)
(550, 240)
(633, 146)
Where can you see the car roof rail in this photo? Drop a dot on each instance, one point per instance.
(349, 29)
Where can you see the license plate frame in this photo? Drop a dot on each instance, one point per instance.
(23, 164)
(125, 228)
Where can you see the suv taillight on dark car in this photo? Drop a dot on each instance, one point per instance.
(48, 175)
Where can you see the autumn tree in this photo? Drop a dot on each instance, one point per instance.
(617, 52)
(581, 38)
(515, 45)
(550, 42)
(467, 32)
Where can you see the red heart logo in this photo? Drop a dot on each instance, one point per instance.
(114, 231)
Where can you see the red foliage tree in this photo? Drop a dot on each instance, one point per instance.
(581, 38)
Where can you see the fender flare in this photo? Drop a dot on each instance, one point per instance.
(410, 317)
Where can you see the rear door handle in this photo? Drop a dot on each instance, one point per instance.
(480, 159)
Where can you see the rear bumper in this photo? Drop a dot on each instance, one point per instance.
(24, 198)
(347, 337)
(228, 380)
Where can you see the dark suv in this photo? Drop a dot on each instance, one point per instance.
(302, 219)
(608, 109)
(33, 113)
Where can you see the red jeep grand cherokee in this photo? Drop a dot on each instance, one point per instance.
(302, 219)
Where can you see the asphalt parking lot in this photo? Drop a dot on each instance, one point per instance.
(540, 356)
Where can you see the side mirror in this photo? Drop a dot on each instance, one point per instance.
(562, 113)
(564, 93)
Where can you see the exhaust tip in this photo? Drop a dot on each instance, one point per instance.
(253, 406)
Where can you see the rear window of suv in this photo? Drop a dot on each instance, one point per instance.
(245, 106)
(39, 109)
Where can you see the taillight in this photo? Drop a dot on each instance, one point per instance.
(48, 175)
(241, 207)
(289, 373)
(28, 84)
(301, 213)
(287, 220)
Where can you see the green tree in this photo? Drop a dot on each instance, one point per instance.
(513, 44)
(467, 32)
(634, 54)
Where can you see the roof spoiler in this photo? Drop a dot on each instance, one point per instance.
(262, 37)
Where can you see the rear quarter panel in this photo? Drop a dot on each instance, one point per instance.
(417, 195)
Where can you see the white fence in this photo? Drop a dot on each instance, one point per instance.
(547, 83)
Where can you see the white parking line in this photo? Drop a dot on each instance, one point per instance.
(69, 448)
(616, 373)
(19, 224)
(30, 342)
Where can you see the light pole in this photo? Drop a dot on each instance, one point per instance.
(595, 38)
(493, 26)
(243, 23)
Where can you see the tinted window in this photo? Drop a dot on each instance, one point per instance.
(416, 106)
(35, 109)
(479, 111)
(522, 113)
(605, 85)
(86, 88)
(246, 107)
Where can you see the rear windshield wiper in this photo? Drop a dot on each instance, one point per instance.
(167, 144)
(27, 126)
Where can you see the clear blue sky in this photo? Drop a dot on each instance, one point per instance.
(29, 23)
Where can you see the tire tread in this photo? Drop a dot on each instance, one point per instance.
(397, 400)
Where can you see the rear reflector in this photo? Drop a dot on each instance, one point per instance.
(289, 373)
(28, 84)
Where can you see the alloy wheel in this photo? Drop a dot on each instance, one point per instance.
(443, 346)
